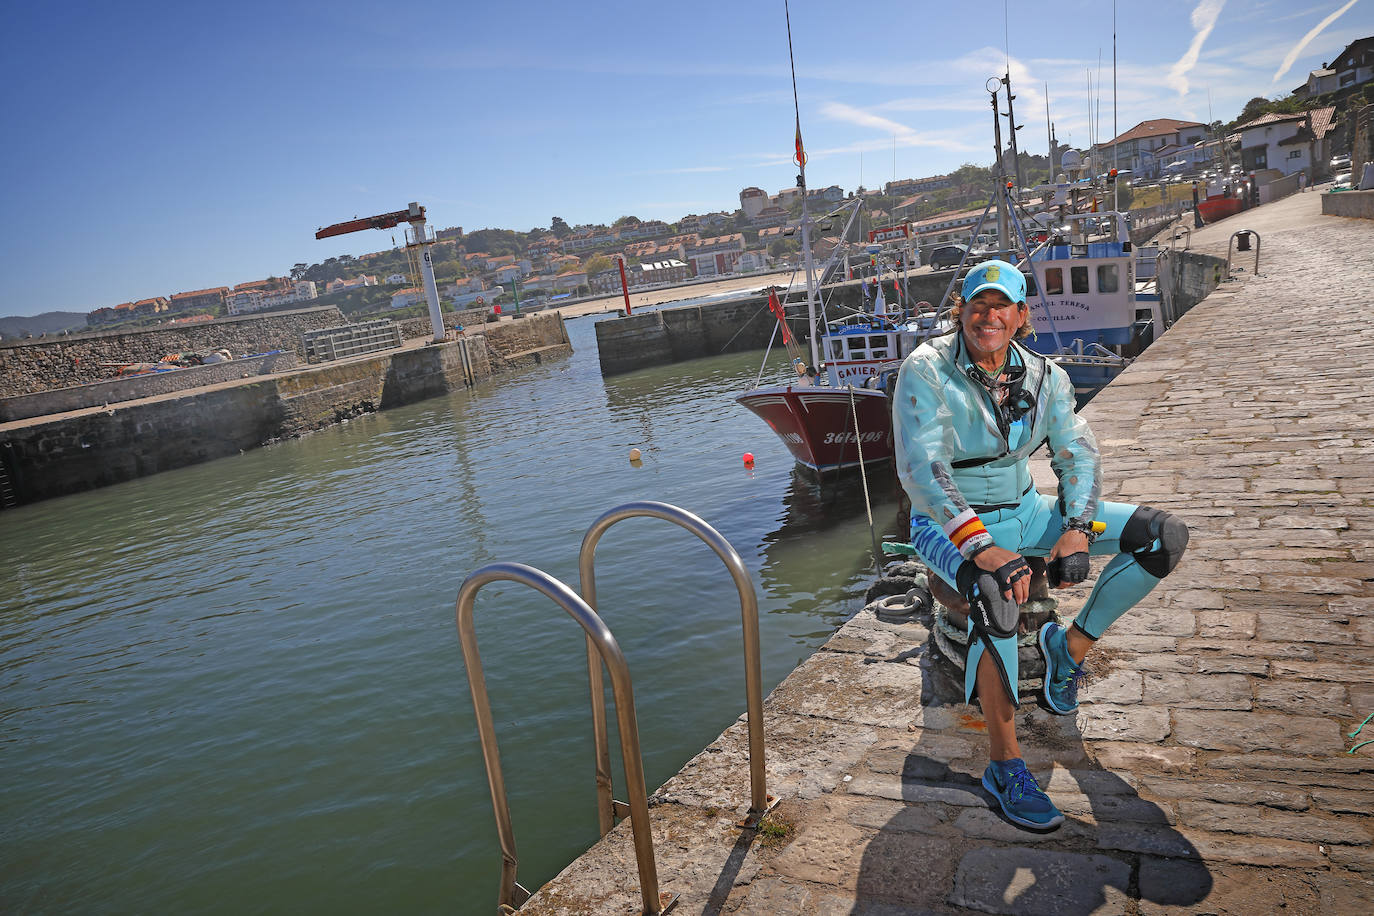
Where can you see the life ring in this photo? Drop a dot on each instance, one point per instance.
(481, 301)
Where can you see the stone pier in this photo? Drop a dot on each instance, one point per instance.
(1210, 767)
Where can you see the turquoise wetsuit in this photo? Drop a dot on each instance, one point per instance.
(964, 463)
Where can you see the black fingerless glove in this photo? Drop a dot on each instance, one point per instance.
(1072, 569)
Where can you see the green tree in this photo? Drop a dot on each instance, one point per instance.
(559, 228)
(597, 263)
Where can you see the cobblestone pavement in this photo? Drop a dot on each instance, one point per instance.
(1208, 768)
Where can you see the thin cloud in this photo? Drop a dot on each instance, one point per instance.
(1204, 19)
(839, 111)
(1303, 42)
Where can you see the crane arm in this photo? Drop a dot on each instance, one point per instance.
(381, 221)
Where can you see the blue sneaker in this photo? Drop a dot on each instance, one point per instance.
(1019, 795)
(1063, 675)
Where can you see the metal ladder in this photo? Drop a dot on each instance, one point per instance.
(8, 499)
(603, 648)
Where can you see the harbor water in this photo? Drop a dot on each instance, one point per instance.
(237, 687)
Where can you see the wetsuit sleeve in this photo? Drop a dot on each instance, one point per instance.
(925, 436)
(1073, 452)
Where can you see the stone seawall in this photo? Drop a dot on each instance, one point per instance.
(95, 448)
(28, 366)
(61, 400)
(671, 335)
(1358, 204)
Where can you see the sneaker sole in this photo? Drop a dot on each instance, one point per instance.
(1021, 821)
(1045, 691)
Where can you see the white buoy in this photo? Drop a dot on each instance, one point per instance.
(634, 454)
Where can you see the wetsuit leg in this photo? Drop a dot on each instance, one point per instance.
(934, 547)
(1121, 584)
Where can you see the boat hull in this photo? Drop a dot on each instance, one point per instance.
(818, 424)
(1215, 208)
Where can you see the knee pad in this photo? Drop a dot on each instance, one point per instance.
(1147, 526)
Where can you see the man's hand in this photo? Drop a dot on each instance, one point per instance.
(1071, 542)
(995, 558)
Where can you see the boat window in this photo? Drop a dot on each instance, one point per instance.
(1078, 277)
(1054, 281)
(877, 343)
(1030, 284)
(837, 349)
(1108, 280)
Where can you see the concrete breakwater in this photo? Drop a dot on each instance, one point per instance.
(51, 456)
(28, 366)
(672, 335)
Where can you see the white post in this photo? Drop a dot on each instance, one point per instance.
(436, 317)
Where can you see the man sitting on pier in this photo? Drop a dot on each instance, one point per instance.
(970, 408)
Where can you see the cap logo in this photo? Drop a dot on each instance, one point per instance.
(993, 273)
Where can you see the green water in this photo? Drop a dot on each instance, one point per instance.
(237, 687)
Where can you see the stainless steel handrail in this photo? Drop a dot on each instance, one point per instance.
(1232, 240)
(753, 677)
(599, 640)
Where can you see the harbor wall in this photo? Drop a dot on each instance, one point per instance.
(96, 448)
(29, 366)
(1185, 278)
(1357, 204)
(685, 332)
(114, 391)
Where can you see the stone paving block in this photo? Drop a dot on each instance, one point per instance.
(1355, 858)
(1122, 687)
(1193, 843)
(1172, 887)
(1249, 792)
(916, 792)
(1323, 671)
(1149, 645)
(1243, 647)
(1320, 585)
(1317, 627)
(987, 824)
(1163, 661)
(1106, 722)
(1209, 691)
(1114, 808)
(1310, 769)
(1193, 599)
(1225, 625)
(1126, 755)
(881, 814)
(1303, 697)
(1342, 801)
(1036, 882)
(1210, 663)
(1090, 782)
(890, 692)
(1251, 731)
(1258, 821)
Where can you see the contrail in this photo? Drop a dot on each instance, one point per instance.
(1292, 55)
(1203, 19)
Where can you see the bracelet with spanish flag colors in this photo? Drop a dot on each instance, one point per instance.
(967, 533)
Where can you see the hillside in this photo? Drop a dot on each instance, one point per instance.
(46, 323)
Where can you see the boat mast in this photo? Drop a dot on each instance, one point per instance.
(1003, 236)
(800, 159)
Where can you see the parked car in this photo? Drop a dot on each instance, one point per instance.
(1340, 163)
(947, 256)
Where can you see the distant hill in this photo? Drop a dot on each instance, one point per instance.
(46, 323)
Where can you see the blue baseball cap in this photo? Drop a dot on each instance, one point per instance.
(998, 275)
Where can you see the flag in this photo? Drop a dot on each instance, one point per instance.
(775, 307)
(800, 158)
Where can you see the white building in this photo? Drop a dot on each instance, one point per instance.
(1290, 143)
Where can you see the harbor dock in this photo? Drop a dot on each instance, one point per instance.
(1217, 763)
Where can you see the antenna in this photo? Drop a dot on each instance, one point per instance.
(1116, 147)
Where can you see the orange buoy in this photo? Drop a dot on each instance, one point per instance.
(748, 459)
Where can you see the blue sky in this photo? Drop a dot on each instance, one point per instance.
(156, 148)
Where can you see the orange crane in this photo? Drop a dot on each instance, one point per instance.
(381, 221)
(415, 215)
